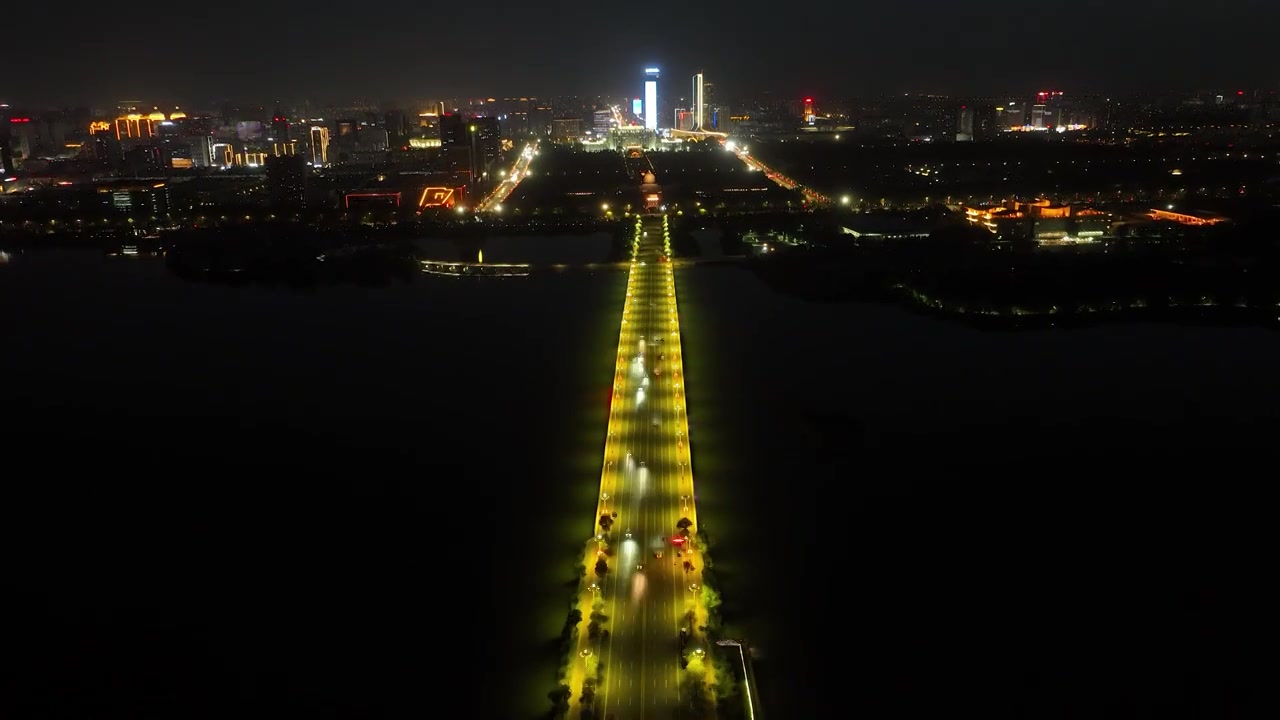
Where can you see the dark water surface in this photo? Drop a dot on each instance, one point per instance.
(362, 502)
(919, 519)
(352, 501)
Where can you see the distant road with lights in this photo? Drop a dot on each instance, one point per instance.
(812, 196)
(519, 171)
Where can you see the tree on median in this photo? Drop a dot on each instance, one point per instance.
(560, 701)
(602, 567)
(710, 598)
(683, 523)
(606, 522)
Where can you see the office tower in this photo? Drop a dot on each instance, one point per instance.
(699, 103)
(601, 121)
(6, 152)
(319, 146)
(279, 126)
(287, 182)
(964, 132)
(651, 98)
(710, 111)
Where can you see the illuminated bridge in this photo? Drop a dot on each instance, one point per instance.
(480, 269)
(467, 269)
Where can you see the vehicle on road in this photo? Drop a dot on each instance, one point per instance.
(655, 422)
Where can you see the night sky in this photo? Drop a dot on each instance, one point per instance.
(402, 49)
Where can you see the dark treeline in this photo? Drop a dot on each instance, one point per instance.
(440, 225)
(1230, 273)
(290, 256)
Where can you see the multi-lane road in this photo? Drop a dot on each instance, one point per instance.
(653, 573)
(751, 161)
(519, 170)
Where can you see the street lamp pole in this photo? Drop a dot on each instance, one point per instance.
(746, 679)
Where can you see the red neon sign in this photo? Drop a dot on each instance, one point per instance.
(436, 197)
(19, 120)
(677, 540)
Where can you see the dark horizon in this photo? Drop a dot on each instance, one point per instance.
(863, 52)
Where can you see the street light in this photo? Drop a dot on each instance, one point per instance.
(751, 710)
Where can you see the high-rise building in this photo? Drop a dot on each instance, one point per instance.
(601, 121)
(565, 129)
(710, 111)
(279, 127)
(319, 146)
(6, 153)
(699, 103)
(22, 140)
(651, 98)
(201, 151)
(488, 143)
(287, 181)
(964, 133)
(470, 144)
(1037, 116)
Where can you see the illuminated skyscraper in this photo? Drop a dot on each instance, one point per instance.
(651, 98)
(319, 146)
(699, 103)
(710, 111)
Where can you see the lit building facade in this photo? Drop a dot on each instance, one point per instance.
(136, 126)
(319, 146)
(565, 130)
(699, 103)
(601, 121)
(651, 98)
